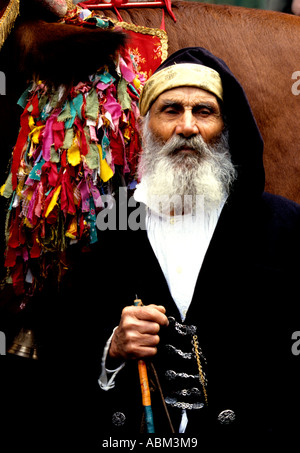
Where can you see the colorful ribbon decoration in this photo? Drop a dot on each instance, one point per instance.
(69, 145)
(61, 162)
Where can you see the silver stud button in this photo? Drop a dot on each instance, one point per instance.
(118, 419)
(226, 417)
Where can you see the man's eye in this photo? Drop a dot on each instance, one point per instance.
(171, 111)
(202, 111)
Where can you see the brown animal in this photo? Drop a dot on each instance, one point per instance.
(260, 47)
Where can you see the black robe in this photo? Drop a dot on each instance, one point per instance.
(245, 307)
(245, 310)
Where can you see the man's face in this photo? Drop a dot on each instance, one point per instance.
(186, 150)
(186, 111)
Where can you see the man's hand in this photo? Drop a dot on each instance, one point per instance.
(137, 334)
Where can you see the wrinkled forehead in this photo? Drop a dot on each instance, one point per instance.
(187, 97)
(180, 75)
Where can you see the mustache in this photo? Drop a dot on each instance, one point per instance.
(201, 150)
(176, 143)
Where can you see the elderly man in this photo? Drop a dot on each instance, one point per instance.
(215, 269)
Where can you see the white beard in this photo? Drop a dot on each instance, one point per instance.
(178, 181)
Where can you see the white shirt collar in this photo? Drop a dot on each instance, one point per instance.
(180, 244)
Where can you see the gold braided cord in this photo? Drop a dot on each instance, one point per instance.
(201, 375)
(70, 4)
(8, 19)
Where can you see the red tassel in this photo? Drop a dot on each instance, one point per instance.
(67, 197)
(117, 151)
(23, 137)
(120, 18)
(169, 9)
(52, 217)
(14, 234)
(82, 226)
(162, 25)
(18, 278)
(20, 147)
(58, 128)
(34, 102)
(49, 174)
(83, 142)
(35, 251)
(63, 159)
(10, 257)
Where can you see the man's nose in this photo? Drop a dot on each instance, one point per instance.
(187, 124)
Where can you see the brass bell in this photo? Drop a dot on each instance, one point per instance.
(24, 345)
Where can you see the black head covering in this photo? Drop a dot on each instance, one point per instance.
(246, 144)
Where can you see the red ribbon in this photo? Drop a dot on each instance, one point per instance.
(20, 145)
(50, 169)
(18, 277)
(58, 128)
(35, 251)
(83, 142)
(67, 196)
(117, 149)
(23, 137)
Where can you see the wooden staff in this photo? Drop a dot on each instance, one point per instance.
(146, 398)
